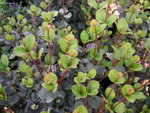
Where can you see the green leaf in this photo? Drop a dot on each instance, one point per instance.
(127, 45)
(20, 51)
(110, 1)
(54, 78)
(138, 85)
(29, 42)
(94, 86)
(40, 53)
(74, 62)
(130, 98)
(84, 36)
(128, 62)
(33, 54)
(100, 28)
(47, 59)
(24, 81)
(43, 5)
(49, 35)
(63, 44)
(111, 20)
(97, 56)
(48, 1)
(72, 53)
(80, 93)
(103, 4)
(99, 16)
(9, 37)
(130, 51)
(55, 13)
(108, 106)
(91, 74)
(120, 80)
(120, 108)
(23, 67)
(64, 61)
(136, 58)
(139, 95)
(93, 3)
(136, 67)
(48, 87)
(112, 75)
(122, 26)
(38, 11)
(127, 90)
(4, 60)
(29, 82)
(80, 78)
(110, 92)
(47, 16)
(80, 109)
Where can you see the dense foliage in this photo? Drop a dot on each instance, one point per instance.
(75, 56)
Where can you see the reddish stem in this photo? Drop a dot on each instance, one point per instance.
(63, 5)
(142, 85)
(107, 12)
(130, 16)
(49, 52)
(57, 68)
(43, 65)
(34, 26)
(103, 77)
(35, 63)
(111, 90)
(63, 75)
(85, 49)
(89, 85)
(144, 57)
(125, 98)
(119, 102)
(3, 73)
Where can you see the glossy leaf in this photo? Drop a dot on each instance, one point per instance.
(20, 51)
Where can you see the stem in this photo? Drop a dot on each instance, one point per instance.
(63, 12)
(119, 102)
(34, 26)
(67, 4)
(35, 63)
(3, 73)
(49, 52)
(130, 16)
(44, 68)
(118, 36)
(107, 12)
(88, 85)
(85, 49)
(131, 77)
(144, 57)
(103, 77)
(95, 48)
(111, 90)
(125, 98)
(57, 68)
(63, 75)
(142, 85)
(99, 45)
(49, 7)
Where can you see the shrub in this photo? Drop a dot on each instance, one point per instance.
(51, 67)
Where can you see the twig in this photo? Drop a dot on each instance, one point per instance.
(63, 75)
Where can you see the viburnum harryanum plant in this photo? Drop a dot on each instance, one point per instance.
(54, 68)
